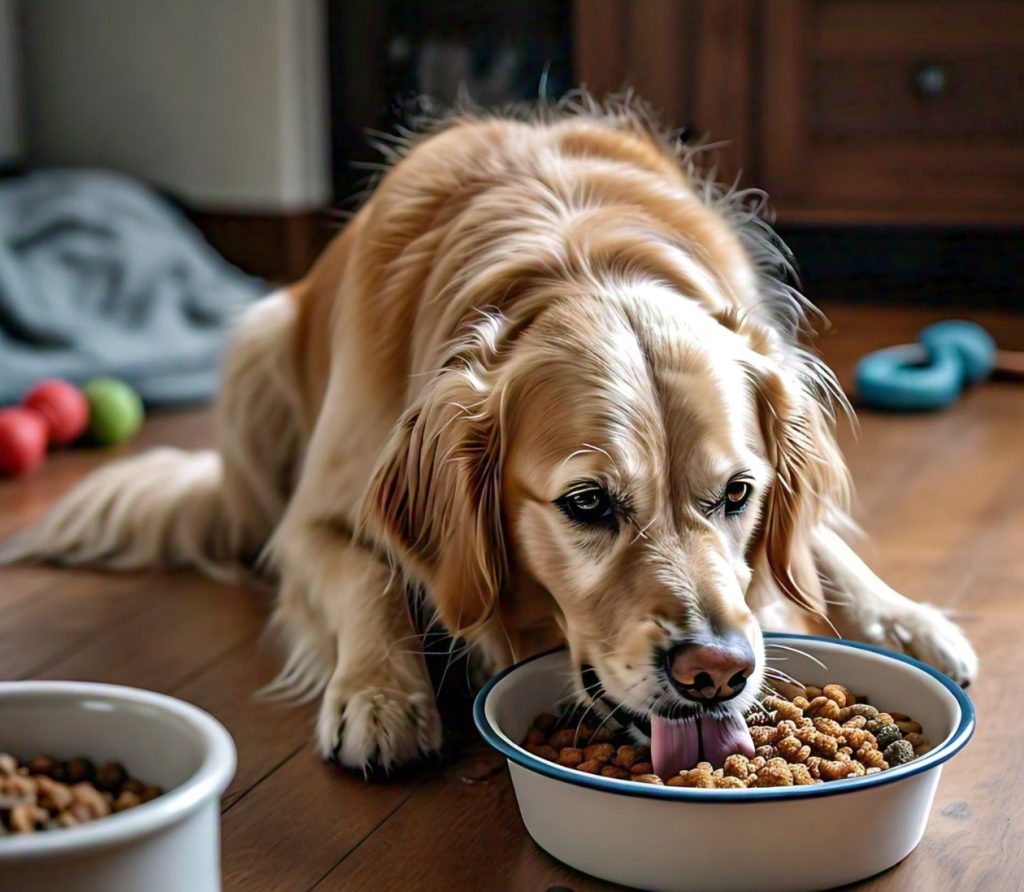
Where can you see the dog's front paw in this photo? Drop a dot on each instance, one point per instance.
(924, 633)
(370, 728)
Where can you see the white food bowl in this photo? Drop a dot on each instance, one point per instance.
(793, 838)
(171, 844)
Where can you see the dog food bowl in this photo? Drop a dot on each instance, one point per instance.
(792, 838)
(171, 844)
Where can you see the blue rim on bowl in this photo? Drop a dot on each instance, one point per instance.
(942, 753)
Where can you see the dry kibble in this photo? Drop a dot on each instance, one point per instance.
(919, 742)
(908, 726)
(561, 739)
(27, 818)
(783, 709)
(150, 792)
(828, 726)
(792, 750)
(110, 776)
(887, 734)
(865, 710)
(615, 771)
(764, 735)
(816, 736)
(801, 775)
(534, 737)
(53, 795)
(837, 693)
(81, 769)
(870, 757)
(46, 766)
(774, 775)
(648, 779)
(899, 752)
(602, 752)
(127, 800)
(857, 737)
(544, 752)
(737, 766)
(570, 756)
(627, 756)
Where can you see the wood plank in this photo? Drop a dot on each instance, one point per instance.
(479, 841)
(191, 626)
(303, 819)
(267, 734)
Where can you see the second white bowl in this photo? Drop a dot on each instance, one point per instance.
(171, 844)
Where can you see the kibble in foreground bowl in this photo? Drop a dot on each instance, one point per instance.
(170, 844)
(793, 838)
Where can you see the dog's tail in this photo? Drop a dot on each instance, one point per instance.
(212, 510)
(163, 508)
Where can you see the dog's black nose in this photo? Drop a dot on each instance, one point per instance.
(714, 669)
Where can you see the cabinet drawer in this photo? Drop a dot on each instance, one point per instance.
(905, 109)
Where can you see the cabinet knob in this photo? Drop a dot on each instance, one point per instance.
(931, 80)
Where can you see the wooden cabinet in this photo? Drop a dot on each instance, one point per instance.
(852, 111)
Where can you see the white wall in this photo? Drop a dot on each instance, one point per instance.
(10, 105)
(222, 102)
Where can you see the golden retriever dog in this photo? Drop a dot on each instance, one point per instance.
(550, 376)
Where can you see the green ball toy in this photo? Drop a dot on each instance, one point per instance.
(115, 411)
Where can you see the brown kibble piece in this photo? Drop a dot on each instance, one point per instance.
(150, 792)
(725, 783)
(783, 709)
(80, 769)
(563, 738)
(837, 693)
(53, 795)
(642, 768)
(570, 756)
(615, 771)
(627, 756)
(591, 767)
(27, 817)
(127, 800)
(46, 766)
(110, 776)
(602, 752)
(544, 752)
(535, 737)
(648, 779)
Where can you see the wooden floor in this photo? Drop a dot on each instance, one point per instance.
(941, 496)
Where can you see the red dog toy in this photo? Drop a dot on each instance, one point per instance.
(22, 440)
(53, 411)
(64, 407)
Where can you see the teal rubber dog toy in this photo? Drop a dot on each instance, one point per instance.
(948, 357)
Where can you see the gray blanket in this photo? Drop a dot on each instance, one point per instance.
(99, 276)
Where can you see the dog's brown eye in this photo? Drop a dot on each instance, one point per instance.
(589, 506)
(737, 493)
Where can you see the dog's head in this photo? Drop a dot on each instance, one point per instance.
(633, 467)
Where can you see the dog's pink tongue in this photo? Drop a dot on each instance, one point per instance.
(677, 746)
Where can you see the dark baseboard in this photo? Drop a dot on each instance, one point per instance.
(276, 247)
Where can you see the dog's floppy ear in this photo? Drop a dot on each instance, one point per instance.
(435, 498)
(797, 424)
